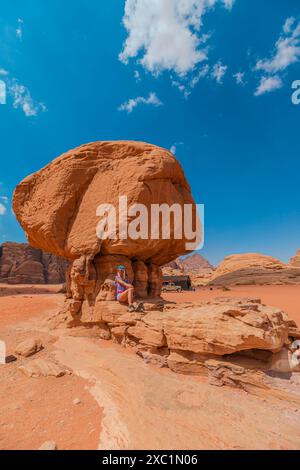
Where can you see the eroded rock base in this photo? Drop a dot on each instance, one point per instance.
(234, 342)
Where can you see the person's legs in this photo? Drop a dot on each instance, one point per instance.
(126, 296)
(130, 296)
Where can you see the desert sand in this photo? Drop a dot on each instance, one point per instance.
(284, 297)
(155, 409)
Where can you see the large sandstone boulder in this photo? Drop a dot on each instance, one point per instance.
(22, 264)
(57, 205)
(252, 268)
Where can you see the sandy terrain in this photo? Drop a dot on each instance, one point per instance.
(126, 404)
(285, 297)
(37, 410)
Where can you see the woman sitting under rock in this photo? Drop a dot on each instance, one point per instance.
(125, 290)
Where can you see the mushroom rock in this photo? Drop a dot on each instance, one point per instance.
(57, 208)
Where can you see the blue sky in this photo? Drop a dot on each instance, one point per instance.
(210, 79)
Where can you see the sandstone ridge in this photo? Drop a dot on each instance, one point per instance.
(243, 336)
(22, 264)
(253, 268)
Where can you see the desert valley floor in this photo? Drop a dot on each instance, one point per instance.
(113, 400)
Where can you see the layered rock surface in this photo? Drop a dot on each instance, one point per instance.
(229, 339)
(22, 264)
(252, 268)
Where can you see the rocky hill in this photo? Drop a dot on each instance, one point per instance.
(196, 266)
(22, 264)
(194, 263)
(253, 268)
(295, 261)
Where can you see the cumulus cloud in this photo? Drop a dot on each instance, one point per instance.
(218, 72)
(268, 84)
(3, 72)
(167, 34)
(22, 99)
(286, 51)
(132, 103)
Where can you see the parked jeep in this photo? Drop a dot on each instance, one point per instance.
(171, 287)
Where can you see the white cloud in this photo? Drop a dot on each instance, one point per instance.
(4, 198)
(287, 27)
(218, 72)
(19, 30)
(182, 88)
(286, 52)
(203, 72)
(2, 209)
(268, 84)
(137, 76)
(173, 148)
(132, 103)
(239, 78)
(2, 92)
(166, 34)
(3, 72)
(22, 99)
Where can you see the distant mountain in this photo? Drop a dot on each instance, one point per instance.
(195, 264)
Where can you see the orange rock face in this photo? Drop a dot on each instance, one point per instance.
(57, 205)
(58, 209)
(22, 264)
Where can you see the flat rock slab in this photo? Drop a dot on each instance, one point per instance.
(43, 368)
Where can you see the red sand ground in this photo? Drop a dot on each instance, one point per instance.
(154, 409)
(33, 411)
(286, 298)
